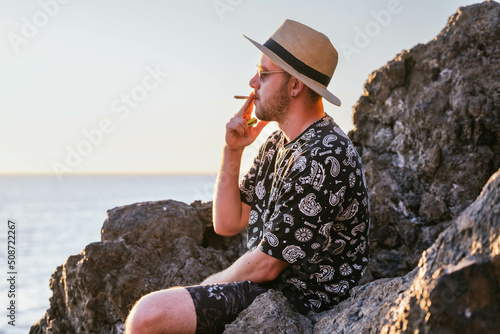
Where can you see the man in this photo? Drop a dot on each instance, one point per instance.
(304, 200)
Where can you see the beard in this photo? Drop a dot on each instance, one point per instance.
(274, 108)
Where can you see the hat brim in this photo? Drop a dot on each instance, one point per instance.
(326, 94)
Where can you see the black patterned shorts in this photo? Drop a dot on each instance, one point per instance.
(219, 304)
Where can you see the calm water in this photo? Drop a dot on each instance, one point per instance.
(57, 219)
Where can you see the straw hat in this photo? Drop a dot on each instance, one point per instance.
(305, 53)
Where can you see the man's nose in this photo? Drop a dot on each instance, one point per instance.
(254, 82)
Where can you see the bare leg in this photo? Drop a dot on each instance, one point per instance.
(165, 311)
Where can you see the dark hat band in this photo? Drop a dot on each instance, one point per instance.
(296, 63)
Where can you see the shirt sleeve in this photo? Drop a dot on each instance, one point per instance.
(247, 183)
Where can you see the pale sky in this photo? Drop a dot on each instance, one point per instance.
(146, 86)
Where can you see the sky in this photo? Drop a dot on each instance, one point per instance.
(146, 86)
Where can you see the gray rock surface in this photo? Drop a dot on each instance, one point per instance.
(428, 130)
(270, 313)
(454, 289)
(145, 247)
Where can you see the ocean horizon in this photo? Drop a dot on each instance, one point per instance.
(55, 219)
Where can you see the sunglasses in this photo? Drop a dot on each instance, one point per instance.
(262, 74)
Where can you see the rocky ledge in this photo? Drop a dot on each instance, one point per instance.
(428, 130)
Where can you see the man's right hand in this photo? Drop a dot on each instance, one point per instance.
(238, 134)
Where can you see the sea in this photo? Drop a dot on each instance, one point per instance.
(53, 219)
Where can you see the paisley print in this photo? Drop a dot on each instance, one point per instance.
(339, 288)
(349, 212)
(345, 269)
(358, 228)
(324, 122)
(274, 193)
(272, 239)
(299, 189)
(308, 135)
(361, 248)
(336, 198)
(303, 234)
(357, 267)
(338, 227)
(317, 175)
(352, 180)
(288, 219)
(292, 253)
(260, 191)
(307, 197)
(351, 152)
(276, 212)
(326, 273)
(339, 249)
(309, 206)
(328, 139)
(253, 217)
(315, 303)
(325, 229)
(315, 245)
(250, 243)
(298, 283)
(335, 169)
(270, 154)
(323, 296)
(248, 192)
(300, 164)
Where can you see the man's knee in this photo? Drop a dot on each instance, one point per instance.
(162, 311)
(142, 316)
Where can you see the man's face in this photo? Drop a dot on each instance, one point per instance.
(272, 97)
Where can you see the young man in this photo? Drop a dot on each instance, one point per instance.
(304, 200)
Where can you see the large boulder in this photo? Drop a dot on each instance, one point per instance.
(270, 313)
(454, 289)
(145, 247)
(428, 130)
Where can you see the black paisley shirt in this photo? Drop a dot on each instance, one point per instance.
(309, 207)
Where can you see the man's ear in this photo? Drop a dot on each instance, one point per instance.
(297, 87)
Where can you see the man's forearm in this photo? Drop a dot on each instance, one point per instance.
(253, 266)
(227, 204)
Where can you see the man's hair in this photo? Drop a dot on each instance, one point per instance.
(313, 96)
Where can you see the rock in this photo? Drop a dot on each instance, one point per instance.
(454, 289)
(270, 313)
(428, 130)
(364, 311)
(145, 247)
